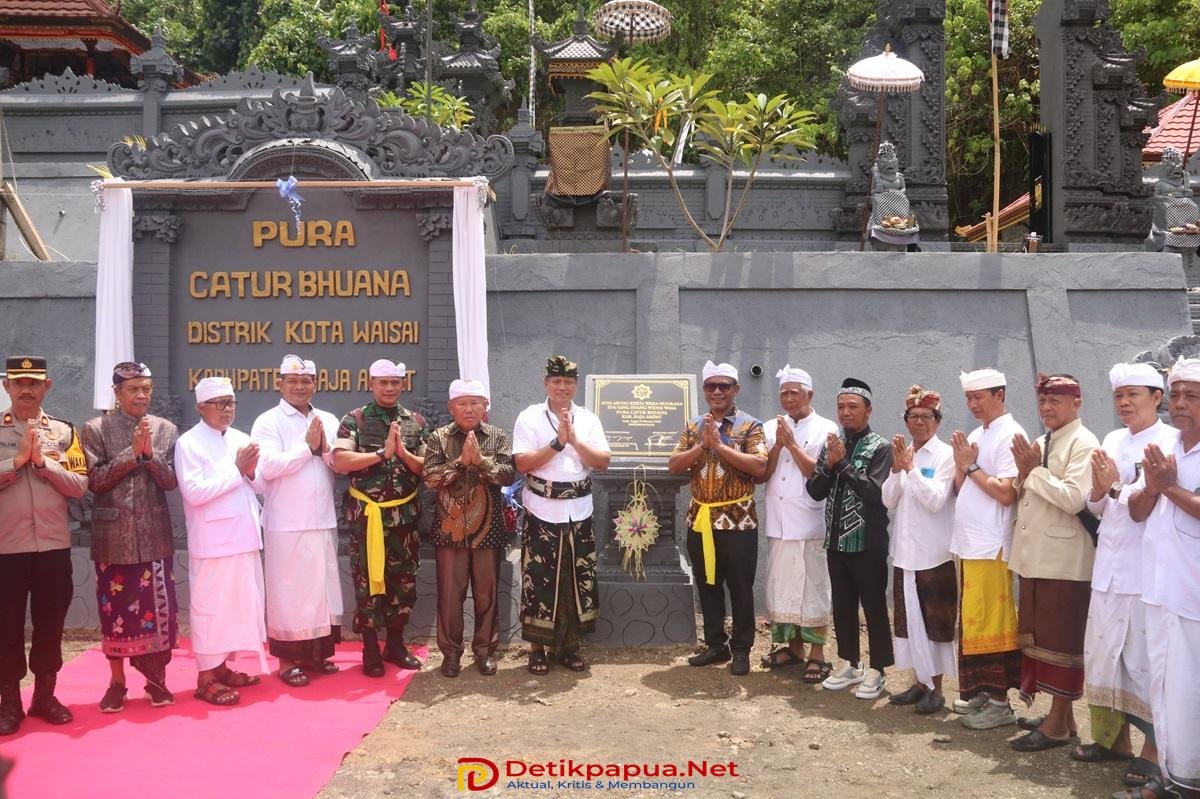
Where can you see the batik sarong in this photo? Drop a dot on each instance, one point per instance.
(559, 598)
(1051, 620)
(1116, 665)
(138, 613)
(989, 660)
(925, 602)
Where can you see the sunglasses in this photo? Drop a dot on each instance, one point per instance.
(221, 405)
(719, 386)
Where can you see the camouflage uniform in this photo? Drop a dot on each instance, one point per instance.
(365, 429)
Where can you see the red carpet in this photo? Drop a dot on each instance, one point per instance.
(276, 742)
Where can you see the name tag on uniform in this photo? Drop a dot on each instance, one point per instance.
(927, 472)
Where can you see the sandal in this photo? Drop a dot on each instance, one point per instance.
(573, 661)
(538, 663)
(237, 679)
(824, 669)
(1037, 741)
(779, 658)
(217, 693)
(294, 677)
(1140, 772)
(323, 667)
(1154, 786)
(1097, 753)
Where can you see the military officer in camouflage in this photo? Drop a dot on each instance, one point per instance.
(382, 447)
(42, 465)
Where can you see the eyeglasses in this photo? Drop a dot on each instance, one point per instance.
(221, 405)
(719, 386)
(919, 417)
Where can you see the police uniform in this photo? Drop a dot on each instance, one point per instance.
(35, 540)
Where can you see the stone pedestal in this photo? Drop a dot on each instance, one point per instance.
(660, 609)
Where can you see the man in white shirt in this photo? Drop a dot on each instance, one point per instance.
(1170, 504)
(984, 468)
(1116, 662)
(557, 445)
(798, 596)
(920, 492)
(304, 592)
(216, 466)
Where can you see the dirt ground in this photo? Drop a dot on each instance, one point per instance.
(786, 738)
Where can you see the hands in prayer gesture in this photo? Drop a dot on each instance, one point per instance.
(965, 453)
(1159, 469)
(710, 436)
(566, 433)
(835, 450)
(783, 433)
(315, 436)
(393, 444)
(141, 439)
(902, 454)
(246, 459)
(471, 454)
(1104, 470)
(30, 448)
(1028, 456)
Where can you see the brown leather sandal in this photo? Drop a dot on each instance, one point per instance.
(217, 693)
(539, 664)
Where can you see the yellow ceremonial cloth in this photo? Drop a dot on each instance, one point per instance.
(703, 526)
(375, 554)
(989, 614)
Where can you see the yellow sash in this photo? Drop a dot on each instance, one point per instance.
(703, 526)
(374, 512)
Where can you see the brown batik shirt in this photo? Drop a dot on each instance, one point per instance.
(469, 502)
(713, 480)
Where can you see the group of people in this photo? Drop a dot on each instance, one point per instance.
(268, 573)
(1103, 539)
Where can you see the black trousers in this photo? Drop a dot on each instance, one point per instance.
(737, 559)
(42, 582)
(854, 579)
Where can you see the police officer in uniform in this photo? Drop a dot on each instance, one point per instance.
(42, 465)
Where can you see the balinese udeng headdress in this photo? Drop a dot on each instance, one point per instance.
(559, 366)
(1057, 384)
(921, 398)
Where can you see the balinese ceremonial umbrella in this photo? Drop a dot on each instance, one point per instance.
(637, 21)
(884, 74)
(1185, 78)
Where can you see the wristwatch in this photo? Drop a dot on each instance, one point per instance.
(381, 453)
(1114, 490)
(557, 445)
(974, 467)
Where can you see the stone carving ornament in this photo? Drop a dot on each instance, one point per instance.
(400, 145)
(1176, 217)
(892, 222)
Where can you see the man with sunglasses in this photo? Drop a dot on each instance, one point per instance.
(131, 453)
(1168, 500)
(217, 468)
(42, 466)
(726, 454)
(920, 490)
(304, 590)
(1052, 554)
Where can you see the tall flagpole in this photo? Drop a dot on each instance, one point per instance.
(994, 245)
(532, 68)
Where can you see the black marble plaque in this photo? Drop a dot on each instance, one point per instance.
(642, 414)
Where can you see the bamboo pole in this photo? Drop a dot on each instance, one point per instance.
(994, 239)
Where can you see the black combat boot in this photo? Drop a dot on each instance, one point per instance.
(398, 653)
(11, 712)
(44, 705)
(372, 659)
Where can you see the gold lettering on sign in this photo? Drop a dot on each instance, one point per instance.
(308, 283)
(377, 332)
(309, 233)
(364, 380)
(312, 331)
(229, 332)
(267, 379)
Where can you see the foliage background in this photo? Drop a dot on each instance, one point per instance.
(800, 47)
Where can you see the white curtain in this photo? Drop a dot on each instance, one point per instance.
(470, 283)
(114, 292)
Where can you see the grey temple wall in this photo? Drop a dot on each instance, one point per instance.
(890, 319)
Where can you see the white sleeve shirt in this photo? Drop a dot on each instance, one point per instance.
(219, 503)
(299, 484)
(923, 501)
(792, 515)
(1171, 545)
(982, 526)
(534, 429)
(1119, 546)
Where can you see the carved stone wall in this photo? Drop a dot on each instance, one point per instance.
(1095, 109)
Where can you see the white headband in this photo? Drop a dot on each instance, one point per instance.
(385, 368)
(719, 370)
(1135, 374)
(1187, 369)
(467, 388)
(981, 379)
(789, 375)
(213, 387)
(295, 365)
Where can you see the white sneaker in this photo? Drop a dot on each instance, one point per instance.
(994, 714)
(966, 707)
(848, 676)
(872, 685)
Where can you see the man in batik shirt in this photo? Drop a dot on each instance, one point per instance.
(467, 463)
(725, 452)
(381, 446)
(131, 453)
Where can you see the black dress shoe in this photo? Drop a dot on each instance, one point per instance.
(46, 706)
(398, 653)
(372, 659)
(913, 695)
(487, 666)
(10, 722)
(711, 655)
(740, 666)
(451, 668)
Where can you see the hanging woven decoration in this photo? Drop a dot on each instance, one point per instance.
(636, 527)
